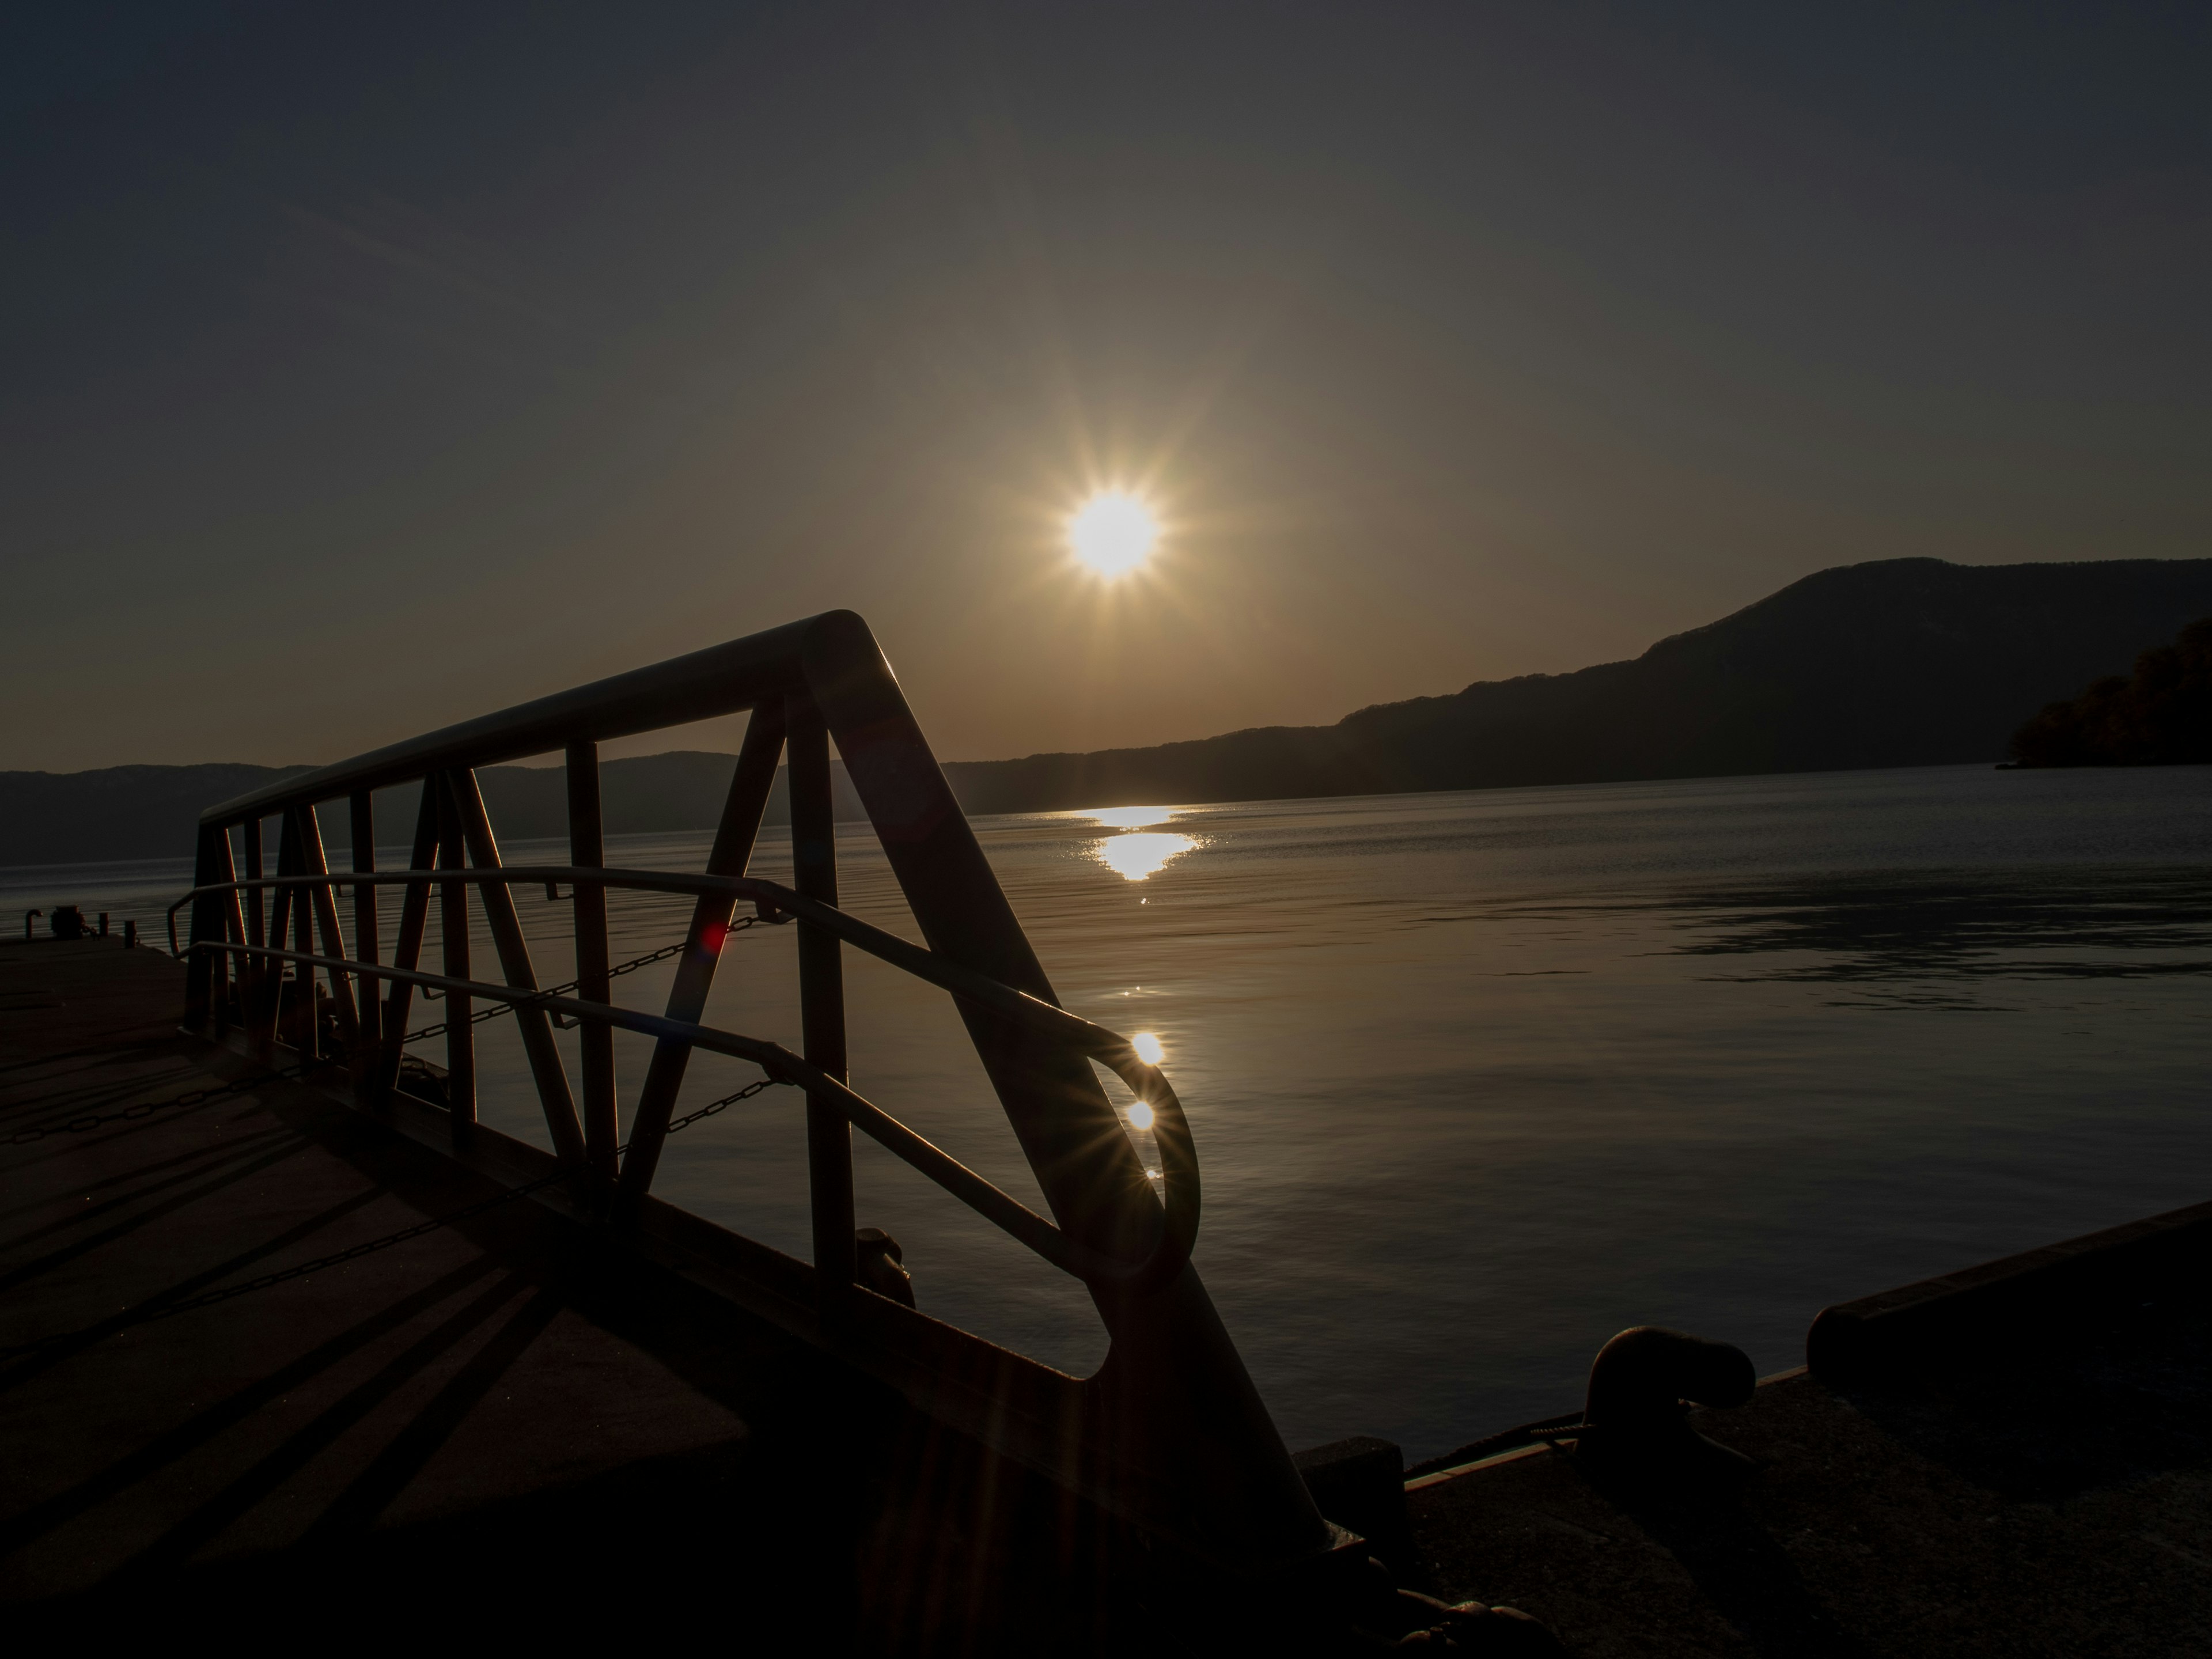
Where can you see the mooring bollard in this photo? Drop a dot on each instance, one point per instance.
(130, 935)
(103, 924)
(882, 1265)
(1641, 1385)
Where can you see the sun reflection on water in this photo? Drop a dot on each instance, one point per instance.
(1134, 856)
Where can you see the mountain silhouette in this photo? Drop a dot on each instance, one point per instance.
(1902, 662)
(1906, 662)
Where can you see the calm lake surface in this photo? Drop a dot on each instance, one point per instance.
(1478, 1079)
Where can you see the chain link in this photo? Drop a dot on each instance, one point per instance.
(615, 972)
(725, 1102)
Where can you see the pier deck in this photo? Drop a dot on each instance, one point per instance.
(497, 1418)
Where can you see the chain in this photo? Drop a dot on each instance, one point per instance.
(615, 972)
(723, 1104)
(143, 1315)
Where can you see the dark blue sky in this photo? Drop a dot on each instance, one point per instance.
(362, 370)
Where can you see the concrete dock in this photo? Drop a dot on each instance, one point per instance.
(502, 1425)
(2013, 1460)
(1875, 1526)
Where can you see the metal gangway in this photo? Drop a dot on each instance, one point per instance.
(1168, 1433)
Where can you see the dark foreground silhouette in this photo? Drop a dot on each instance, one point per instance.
(2160, 715)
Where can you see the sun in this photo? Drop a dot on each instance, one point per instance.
(1113, 533)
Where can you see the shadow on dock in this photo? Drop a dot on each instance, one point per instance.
(496, 1424)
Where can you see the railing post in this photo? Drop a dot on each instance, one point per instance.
(370, 1002)
(407, 949)
(307, 1036)
(505, 926)
(253, 973)
(229, 971)
(208, 868)
(587, 851)
(323, 897)
(288, 915)
(732, 851)
(822, 1002)
(453, 931)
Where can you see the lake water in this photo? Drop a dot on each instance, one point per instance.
(1478, 1079)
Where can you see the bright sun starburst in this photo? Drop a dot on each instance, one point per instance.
(1113, 533)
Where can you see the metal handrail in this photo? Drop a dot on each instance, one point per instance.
(1070, 1255)
(1179, 1175)
(773, 897)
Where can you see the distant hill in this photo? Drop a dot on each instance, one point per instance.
(1906, 662)
(116, 812)
(150, 811)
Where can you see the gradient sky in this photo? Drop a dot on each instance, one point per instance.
(366, 368)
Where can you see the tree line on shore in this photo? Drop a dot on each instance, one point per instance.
(2159, 715)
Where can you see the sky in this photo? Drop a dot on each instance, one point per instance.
(366, 368)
